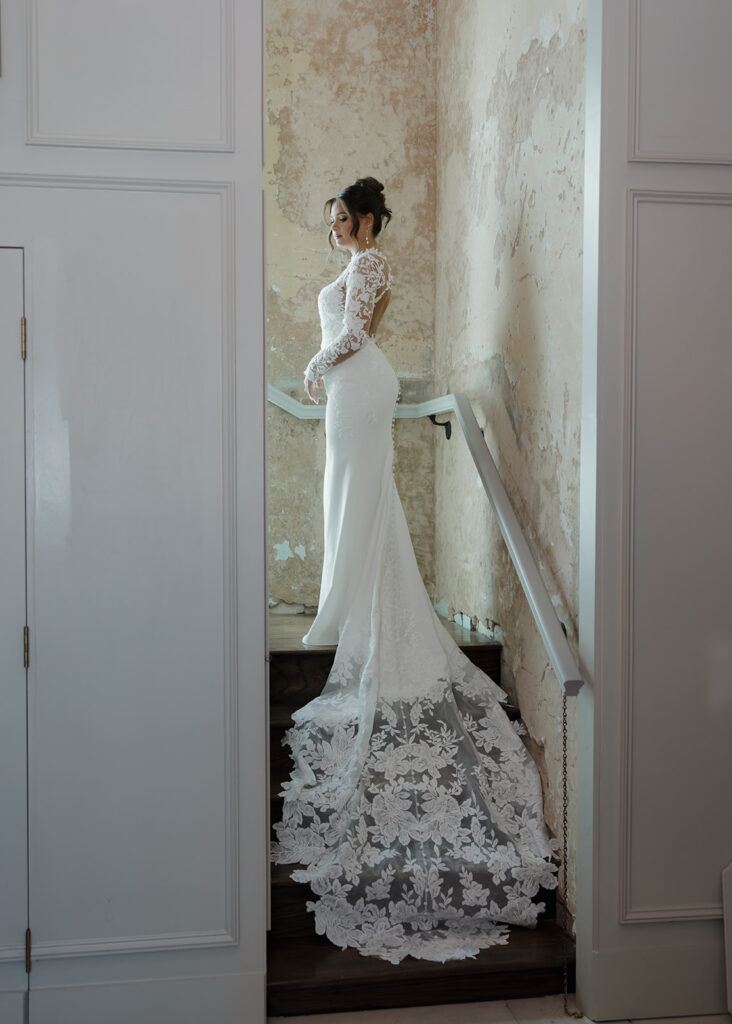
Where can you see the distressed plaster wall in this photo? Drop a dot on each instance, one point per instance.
(471, 112)
(350, 91)
(508, 307)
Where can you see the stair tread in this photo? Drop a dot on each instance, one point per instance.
(311, 962)
(280, 716)
(298, 673)
(279, 875)
(291, 919)
(306, 972)
(286, 633)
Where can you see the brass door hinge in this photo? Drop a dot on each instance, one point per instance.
(23, 337)
(27, 951)
(26, 647)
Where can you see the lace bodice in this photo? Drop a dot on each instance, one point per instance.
(346, 307)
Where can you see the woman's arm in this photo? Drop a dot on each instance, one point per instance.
(364, 283)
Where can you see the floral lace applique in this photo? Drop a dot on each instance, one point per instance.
(413, 808)
(433, 845)
(366, 279)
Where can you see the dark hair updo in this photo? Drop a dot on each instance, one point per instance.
(364, 196)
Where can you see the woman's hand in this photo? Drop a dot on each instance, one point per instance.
(311, 386)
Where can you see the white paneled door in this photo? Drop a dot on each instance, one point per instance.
(131, 600)
(13, 849)
(133, 761)
(656, 603)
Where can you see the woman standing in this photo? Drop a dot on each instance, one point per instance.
(413, 803)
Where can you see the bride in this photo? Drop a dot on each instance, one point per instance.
(413, 806)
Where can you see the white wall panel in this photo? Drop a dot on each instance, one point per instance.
(681, 80)
(679, 560)
(130, 73)
(133, 780)
(233, 999)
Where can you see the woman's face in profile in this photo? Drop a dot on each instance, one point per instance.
(341, 225)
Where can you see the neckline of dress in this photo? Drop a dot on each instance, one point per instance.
(350, 263)
(361, 252)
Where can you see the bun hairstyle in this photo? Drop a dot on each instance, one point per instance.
(364, 196)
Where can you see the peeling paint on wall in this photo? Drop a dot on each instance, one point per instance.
(507, 327)
(283, 551)
(350, 91)
(473, 115)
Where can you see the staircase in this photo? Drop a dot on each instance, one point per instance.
(308, 974)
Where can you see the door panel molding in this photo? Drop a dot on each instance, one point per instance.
(133, 944)
(221, 106)
(183, 1000)
(228, 935)
(631, 913)
(639, 114)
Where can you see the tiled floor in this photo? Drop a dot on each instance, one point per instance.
(549, 1010)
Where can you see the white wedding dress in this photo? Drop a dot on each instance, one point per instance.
(413, 805)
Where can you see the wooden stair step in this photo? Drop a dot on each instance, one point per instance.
(275, 811)
(314, 976)
(280, 718)
(278, 774)
(296, 678)
(291, 919)
(486, 656)
(279, 754)
(298, 673)
(306, 972)
(286, 633)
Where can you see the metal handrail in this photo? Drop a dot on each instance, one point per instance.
(403, 411)
(545, 616)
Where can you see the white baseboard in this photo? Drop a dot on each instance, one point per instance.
(652, 981)
(225, 999)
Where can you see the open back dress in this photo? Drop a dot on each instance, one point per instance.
(413, 807)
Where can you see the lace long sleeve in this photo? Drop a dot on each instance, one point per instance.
(366, 282)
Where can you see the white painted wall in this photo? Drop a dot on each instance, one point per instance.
(131, 185)
(656, 605)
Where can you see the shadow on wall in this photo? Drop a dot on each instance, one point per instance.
(510, 164)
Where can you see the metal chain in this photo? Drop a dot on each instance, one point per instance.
(565, 969)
